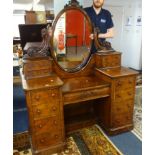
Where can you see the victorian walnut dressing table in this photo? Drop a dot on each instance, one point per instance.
(61, 100)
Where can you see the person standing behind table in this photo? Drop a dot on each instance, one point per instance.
(101, 19)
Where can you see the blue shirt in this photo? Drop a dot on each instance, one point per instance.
(102, 20)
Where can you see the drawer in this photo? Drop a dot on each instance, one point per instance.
(49, 124)
(123, 107)
(125, 83)
(103, 61)
(124, 95)
(111, 61)
(38, 65)
(122, 119)
(37, 73)
(86, 95)
(47, 139)
(45, 96)
(46, 110)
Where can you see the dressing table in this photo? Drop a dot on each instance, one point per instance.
(60, 100)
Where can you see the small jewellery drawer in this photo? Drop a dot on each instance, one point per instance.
(111, 61)
(47, 139)
(38, 65)
(45, 96)
(124, 95)
(51, 124)
(46, 110)
(124, 83)
(85, 95)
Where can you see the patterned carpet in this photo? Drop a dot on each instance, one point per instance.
(137, 118)
(138, 121)
(87, 141)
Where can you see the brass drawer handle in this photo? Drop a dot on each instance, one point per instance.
(52, 80)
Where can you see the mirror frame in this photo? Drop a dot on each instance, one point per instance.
(73, 5)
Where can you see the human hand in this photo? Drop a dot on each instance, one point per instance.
(91, 36)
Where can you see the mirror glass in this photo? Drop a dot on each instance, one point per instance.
(71, 41)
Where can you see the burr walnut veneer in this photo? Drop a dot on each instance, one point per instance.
(59, 102)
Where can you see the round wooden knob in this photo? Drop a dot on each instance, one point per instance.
(119, 83)
(87, 80)
(128, 105)
(52, 80)
(55, 122)
(40, 126)
(37, 97)
(42, 140)
(54, 108)
(130, 81)
(53, 94)
(38, 111)
(56, 136)
(118, 109)
(118, 95)
(127, 118)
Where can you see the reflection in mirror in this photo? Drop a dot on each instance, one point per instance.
(71, 39)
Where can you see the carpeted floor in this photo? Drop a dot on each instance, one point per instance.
(87, 141)
(138, 121)
(138, 113)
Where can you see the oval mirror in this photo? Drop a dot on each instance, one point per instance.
(70, 39)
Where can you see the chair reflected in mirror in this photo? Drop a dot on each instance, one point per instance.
(71, 42)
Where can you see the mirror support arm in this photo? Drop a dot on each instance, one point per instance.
(102, 47)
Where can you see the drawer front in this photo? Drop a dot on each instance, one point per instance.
(111, 61)
(108, 61)
(38, 65)
(44, 97)
(85, 95)
(124, 95)
(125, 83)
(49, 124)
(37, 73)
(47, 139)
(122, 119)
(123, 107)
(46, 110)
